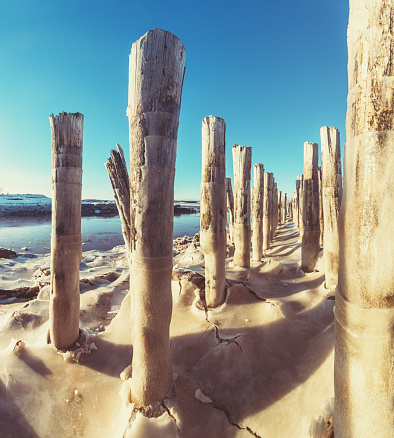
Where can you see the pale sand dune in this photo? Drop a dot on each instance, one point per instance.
(262, 363)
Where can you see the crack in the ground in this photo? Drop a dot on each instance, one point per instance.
(227, 414)
(221, 340)
(169, 413)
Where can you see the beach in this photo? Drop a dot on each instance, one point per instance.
(259, 365)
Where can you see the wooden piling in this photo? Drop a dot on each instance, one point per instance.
(119, 177)
(213, 208)
(257, 211)
(310, 246)
(266, 209)
(156, 76)
(230, 207)
(242, 161)
(331, 197)
(364, 304)
(66, 242)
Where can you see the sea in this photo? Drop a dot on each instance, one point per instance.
(102, 233)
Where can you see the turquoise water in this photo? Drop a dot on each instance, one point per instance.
(97, 232)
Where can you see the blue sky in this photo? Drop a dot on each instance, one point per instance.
(274, 71)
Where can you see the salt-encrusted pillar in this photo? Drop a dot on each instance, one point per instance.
(266, 209)
(297, 205)
(257, 211)
(213, 208)
(300, 193)
(230, 206)
(274, 210)
(156, 75)
(321, 216)
(310, 246)
(242, 161)
(66, 242)
(331, 196)
(283, 201)
(364, 305)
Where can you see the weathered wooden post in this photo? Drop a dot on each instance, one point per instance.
(242, 161)
(266, 209)
(156, 76)
(301, 204)
(66, 242)
(364, 305)
(274, 210)
(279, 207)
(257, 211)
(213, 208)
(310, 246)
(283, 201)
(119, 177)
(331, 196)
(321, 215)
(230, 206)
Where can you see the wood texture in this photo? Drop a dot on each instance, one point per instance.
(257, 211)
(242, 162)
(213, 208)
(364, 306)
(230, 207)
(310, 246)
(331, 198)
(119, 177)
(155, 87)
(66, 242)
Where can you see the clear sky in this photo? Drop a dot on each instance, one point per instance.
(274, 71)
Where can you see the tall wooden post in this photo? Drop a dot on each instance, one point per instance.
(257, 211)
(66, 242)
(321, 207)
(364, 305)
(279, 207)
(300, 179)
(155, 87)
(119, 177)
(331, 196)
(213, 208)
(283, 208)
(310, 246)
(230, 206)
(266, 209)
(242, 161)
(274, 210)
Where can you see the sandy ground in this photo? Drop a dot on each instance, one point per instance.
(259, 365)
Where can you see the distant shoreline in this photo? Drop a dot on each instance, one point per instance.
(41, 206)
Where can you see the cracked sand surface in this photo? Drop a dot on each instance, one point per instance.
(259, 365)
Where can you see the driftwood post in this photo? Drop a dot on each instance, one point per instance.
(274, 210)
(257, 211)
(283, 207)
(300, 191)
(213, 208)
(279, 208)
(331, 196)
(155, 87)
(310, 246)
(242, 161)
(364, 305)
(66, 242)
(119, 177)
(266, 209)
(321, 207)
(230, 206)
